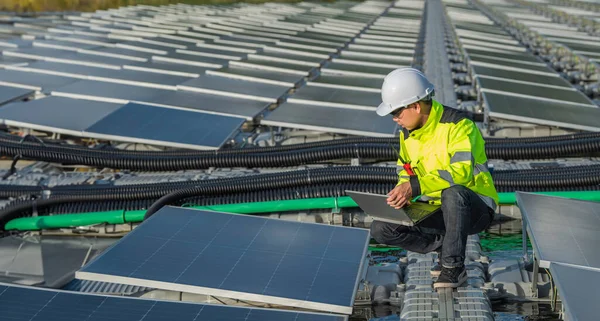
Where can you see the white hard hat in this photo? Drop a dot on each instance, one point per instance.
(403, 87)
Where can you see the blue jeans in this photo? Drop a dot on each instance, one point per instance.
(463, 213)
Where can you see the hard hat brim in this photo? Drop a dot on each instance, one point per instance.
(383, 109)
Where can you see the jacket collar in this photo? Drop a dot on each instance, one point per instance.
(434, 117)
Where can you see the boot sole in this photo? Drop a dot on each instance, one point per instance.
(460, 282)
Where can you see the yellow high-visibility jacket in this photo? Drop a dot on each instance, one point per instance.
(448, 150)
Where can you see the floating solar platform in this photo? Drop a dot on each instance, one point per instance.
(136, 122)
(311, 266)
(568, 95)
(264, 76)
(332, 97)
(535, 111)
(235, 88)
(578, 288)
(347, 82)
(562, 230)
(33, 81)
(547, 79)
(9, 94)
(56, 114)
(21, 303)
(331, 119)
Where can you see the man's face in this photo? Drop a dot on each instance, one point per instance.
(408, 117)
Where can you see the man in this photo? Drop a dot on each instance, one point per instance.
(442, 161)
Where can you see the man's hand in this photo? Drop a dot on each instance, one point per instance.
(400, 195)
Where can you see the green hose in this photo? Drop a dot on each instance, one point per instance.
(122, 216)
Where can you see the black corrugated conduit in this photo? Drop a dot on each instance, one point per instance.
(501, 177)
(321, 182)
(282, 156)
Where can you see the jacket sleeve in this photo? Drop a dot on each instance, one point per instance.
(459, 171)
(403, 176)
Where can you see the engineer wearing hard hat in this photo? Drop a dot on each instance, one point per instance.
(441, 161)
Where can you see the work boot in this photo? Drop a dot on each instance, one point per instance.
(451, 277)
(436, 269)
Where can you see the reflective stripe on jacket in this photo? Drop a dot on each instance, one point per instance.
(448, 150)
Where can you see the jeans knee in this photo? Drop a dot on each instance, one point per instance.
(455, 192)
(383, 232)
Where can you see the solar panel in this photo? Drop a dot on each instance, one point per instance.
(562, 230)
(167, 68)
(185, 59)
(211, 52)
(235, 88)
(505, 55)
(331, 119)
(346, 82)
(532, 89)
(102, 74)
(105, 91)
(286, 57)
(535, 111)
(321, 96)
(337, 68)
(56, 114)
(264, 76)
(21, 303)
(277, 66)
(311, 266)
(180, 128)
(33, 81)
(8, 94)
(578, 290)
(522, 76)
(509, 63)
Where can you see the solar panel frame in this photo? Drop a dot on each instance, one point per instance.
(181, 232)
(23, 303)
(559, 240)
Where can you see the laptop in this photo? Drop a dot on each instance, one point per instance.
(376, 206)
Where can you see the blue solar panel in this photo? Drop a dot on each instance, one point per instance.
(19, 303)
(297, 264)
(176, 126)
(8, 94)
(57, 113)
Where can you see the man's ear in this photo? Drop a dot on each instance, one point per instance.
(417, 107)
